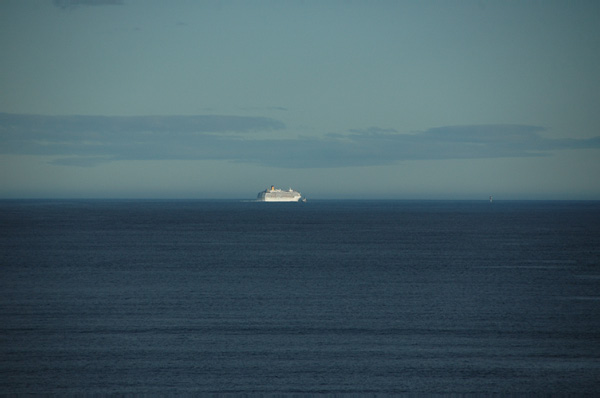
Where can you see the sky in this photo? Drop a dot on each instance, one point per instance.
(343, 99)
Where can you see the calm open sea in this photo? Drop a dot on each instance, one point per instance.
(176, 297)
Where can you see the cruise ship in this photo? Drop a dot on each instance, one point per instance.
(279, 195)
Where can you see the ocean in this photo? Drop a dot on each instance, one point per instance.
(325, 297)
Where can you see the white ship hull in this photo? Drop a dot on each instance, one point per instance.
(278, 195)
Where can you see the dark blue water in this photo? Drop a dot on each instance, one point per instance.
(176, 297)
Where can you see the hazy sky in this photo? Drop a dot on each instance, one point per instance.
(337, 99)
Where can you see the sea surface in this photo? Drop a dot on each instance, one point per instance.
(323, 297)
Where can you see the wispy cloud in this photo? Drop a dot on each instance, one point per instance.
(60, 125)
(373, 130)
(90, 140)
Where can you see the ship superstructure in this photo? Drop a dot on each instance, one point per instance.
(279, 195)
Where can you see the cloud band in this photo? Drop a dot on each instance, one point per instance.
(89, 140)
